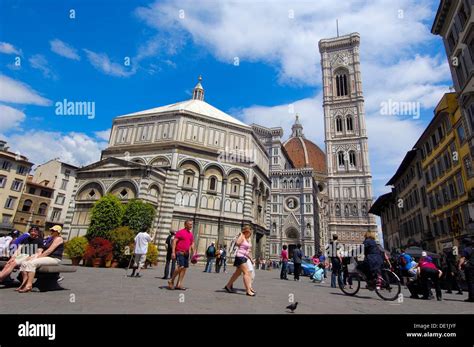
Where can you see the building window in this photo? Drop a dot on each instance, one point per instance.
(285, 184)
(6, 218)
(32, 190)
(452, 190)
(123, 194)
(308, 208)
(364, 210)
(26, 206)
(423, 196)
(64, 184)
(434, 140)
(10, 203)
(56, 215)
(461, 133)
(275, 209)
(22, 170)
(3, 181)
(307, 182)
(340, 159)
(212, 184)
(349, 123)
(60, 199)
(45, 193)
(460, 184)
(235, 187)
(428, 147)
(352, 158)
(42, 209)
(6, 165)
(339, 124)
(468, 166)
(462, 16)
(16, 185)
(275, 160)
(341, 84)
(188, 178)
(67, 173)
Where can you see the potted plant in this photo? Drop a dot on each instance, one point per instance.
(75, 249)
(98, 250)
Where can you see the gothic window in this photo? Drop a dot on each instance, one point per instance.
(354, 210)
(364, 210)
(285, 184)
(346, 210)
(340, 159)
(339, 124)
(349, 123)
(341, 84)
(291, 184)
(297, 183)
(338, 210)
(352, 158)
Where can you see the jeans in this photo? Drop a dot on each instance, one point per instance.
(224, 263)
(209, 263)
(284, 269)
(336, 273)
(167, 267)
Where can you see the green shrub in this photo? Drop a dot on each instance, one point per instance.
(138, 215)
(76, 247)
(107, 215)
(152, 253)
(122, 238)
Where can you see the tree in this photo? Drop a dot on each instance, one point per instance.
(138, 215)
(107, 215)
(122, 239)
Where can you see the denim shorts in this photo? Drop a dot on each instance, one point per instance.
(239, 261)
(182, 259)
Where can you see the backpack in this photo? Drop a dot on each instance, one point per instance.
(211, 251)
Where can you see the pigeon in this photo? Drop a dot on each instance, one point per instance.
(292, 307)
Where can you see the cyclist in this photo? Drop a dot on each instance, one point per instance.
(373, 261)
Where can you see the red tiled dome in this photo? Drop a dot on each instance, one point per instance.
(304, 153)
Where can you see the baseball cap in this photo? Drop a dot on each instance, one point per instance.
(56, 228)
(424, 254)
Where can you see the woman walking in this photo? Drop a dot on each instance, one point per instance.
(242, 255)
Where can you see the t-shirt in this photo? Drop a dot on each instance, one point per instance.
(407, 260)
(284, 255)
(297, 256)
(4, 245)
(184, 240)
(30, 246)
(426, 264)
(141, 243)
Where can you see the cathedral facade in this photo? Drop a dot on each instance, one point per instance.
(191, 160)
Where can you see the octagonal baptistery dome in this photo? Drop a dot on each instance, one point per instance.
(304, 153)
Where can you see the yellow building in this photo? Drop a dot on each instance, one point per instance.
(443, 146)
(14, 169)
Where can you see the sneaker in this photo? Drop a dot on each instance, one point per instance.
(60, 279)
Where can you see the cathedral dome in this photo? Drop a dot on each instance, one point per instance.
(302, 152)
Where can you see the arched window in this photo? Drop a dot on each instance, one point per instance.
(213, 183)
(339, 124)
(297, 183)
(285, 184)
(291, 184)
(235, 187)
(340, 158)
(188, 178)
(42, 209)
(349, 123)
(352, 158)
(341, 84)
(26, 206)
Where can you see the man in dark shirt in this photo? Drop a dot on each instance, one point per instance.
(336, 262)
(168, 243)
(28, 247)
(467, 263)
(297, 260)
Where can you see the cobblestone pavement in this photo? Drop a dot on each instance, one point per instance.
(91, 290)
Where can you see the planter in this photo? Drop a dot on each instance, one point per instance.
(76, 261)
(96, 262)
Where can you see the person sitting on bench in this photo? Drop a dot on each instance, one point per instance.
(22, 250)
(51, 255)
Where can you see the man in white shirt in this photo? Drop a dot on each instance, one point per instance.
(4, 246)
(141, 247)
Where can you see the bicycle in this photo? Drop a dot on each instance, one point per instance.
(389, 290)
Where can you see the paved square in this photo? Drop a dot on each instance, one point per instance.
(93, 290)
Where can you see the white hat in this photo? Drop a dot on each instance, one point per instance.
(424, 254)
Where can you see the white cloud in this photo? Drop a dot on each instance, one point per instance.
(16, 92)
(102, 62)
(103, 134)
(39, 62)
(64, 50)
(264, 30)
(11, 117)
(8, 48)
(73, 148)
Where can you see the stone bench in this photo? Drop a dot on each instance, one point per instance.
(46, 277)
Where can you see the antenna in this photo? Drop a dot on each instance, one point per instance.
(337, 27)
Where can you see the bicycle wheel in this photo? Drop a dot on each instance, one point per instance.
(350, 284)
(390, 288)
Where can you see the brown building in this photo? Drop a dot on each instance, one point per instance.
(33, 206)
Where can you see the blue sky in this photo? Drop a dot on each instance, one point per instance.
(170, 43)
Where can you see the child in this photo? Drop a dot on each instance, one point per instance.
(318, 276)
